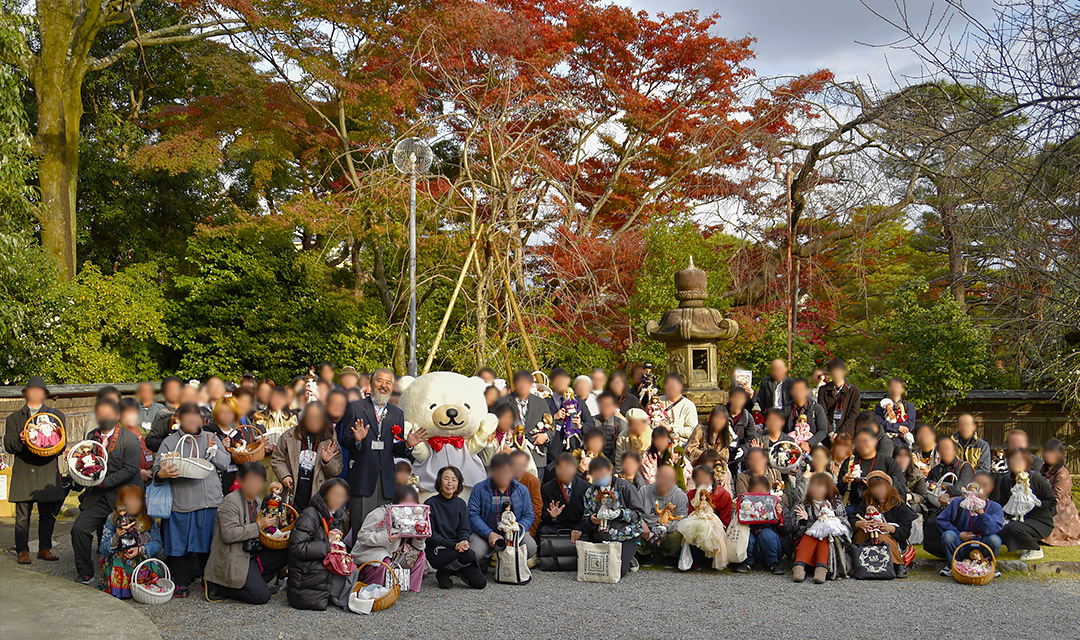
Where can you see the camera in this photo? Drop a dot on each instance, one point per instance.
(251, 546)
(500, 544)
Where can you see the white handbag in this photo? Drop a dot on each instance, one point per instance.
(512, 565)
(599, 561)
(738, 541)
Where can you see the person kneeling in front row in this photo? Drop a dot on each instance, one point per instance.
(486, 504)
(626, 527)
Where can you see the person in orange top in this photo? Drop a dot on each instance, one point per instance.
(519, 461)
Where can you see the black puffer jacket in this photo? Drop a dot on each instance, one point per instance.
(309, 581)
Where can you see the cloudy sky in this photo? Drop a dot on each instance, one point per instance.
(798, 36)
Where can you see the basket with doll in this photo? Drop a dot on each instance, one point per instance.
(978, 569)
(381, 597)
(87, 462)
(248, 447)
(940, 488)
(191, 467)
(43, 434)
(758, 509)
(785, 456)
(541, 384)
(148, 586)
(410, 520)
(282, 516)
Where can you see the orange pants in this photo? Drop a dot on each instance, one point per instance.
(812, 552)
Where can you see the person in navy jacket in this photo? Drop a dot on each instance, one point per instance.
(958, 524)
(899, 425)
(374, 436)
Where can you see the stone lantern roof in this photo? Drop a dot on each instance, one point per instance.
(692, 320)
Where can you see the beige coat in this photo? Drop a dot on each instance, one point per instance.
(228, 563)
(696, 445)
(285, 461)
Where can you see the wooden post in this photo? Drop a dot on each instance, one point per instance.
(517, 316)
(453, 300)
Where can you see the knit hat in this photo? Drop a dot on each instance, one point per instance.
(636, 414)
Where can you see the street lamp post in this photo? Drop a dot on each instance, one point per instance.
(412, 156)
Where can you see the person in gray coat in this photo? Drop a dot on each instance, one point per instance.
(187, 532)
(34, 478)
(233, 572)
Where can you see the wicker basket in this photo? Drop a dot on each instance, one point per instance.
(50, 451)
(142, 595)
(251, 455)
(272, 436)
(194, 467)
(978, 581)
(279, 543)
(79, 478)
(385, 601)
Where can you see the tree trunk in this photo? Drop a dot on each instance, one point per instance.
(955, 248)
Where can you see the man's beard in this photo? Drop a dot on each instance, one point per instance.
(379, 398)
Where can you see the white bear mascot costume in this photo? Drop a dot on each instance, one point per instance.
(452, 409)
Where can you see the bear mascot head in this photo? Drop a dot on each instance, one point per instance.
(451, 409)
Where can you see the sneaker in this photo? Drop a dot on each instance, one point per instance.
(87, 580)
(741, 567)
(644, 561)
(1032, 554)
(946, 571)
(776, 569)
(634, 565)
(997, 574)
(901, 571)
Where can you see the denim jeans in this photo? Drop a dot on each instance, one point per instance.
(950, 540)
(764, 547)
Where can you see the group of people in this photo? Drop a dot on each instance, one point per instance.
(597, 458)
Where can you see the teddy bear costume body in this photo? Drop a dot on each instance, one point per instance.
(451, 407)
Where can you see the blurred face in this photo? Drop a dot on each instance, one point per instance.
(487, 377)
(215, 388)
(130, 417)
(314, 419)
(327, 373)
(402, 476)
(171, 392)
(965, 425)
(599, 380)
(225, 416)
(736, 403)
(1017, 462)
(1017, 440)
(449, 483)
(565, 472)
(926, 439)
(336, 497)
(841, 451)
(520, 464)
(560, 383)
(583, 387)
(636, 426)
(252, 485)
(630, 467)
(774, 423)
(838, 375)
(188, 393)
(866, 444)
(348, 380)
(799, 393)
(756, 463)
(606, 406)
(501, 476)
(880, 489)
(506, 421)
(106, 416)
(145, 393)
(617, 385)
(986, 485)
(661, 442)
(523, 386)
(244, 404)
(335, 406)
(382, 385)
(601, 477)
(703, 480)
(817, 490)
(1052, 456)
(903, 458)
(594, 444)
(819, 459)
(190, 422)
(263, 392)
(665, 479)
(946, 449)
(672, 389)
(491, 396)
(896, 389)
(133, 503)
(278, 401)
(778, 370)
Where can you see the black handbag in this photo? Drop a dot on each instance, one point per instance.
(557, 553)
(871, 561)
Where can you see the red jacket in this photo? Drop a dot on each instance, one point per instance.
(721, 503)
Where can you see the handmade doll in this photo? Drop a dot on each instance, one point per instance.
(778, 489)
(1021, 500)
(518, 440)
(973, 500)
(339, 561)
(609, 508)
(127, 531)
(664, 517)
(876, 519)
(658, 415)
(976, 564)
(647, 390)
(998, 464)
(802, 432)
(508, 525)
(572, 438)
(275, 509)
(311, 386)
(88, 463)
(43, 432)
(704, 530)
(827, 523)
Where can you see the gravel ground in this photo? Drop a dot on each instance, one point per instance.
(653, 603)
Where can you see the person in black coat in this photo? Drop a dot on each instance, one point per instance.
(1023, 535)
(563, 498)
(801, 403)
(34, 478)
(618, 385)
(448, 547)
(560, 384)
(881, 494)
(853, 484)
(309, 544)
(867, 420)
(743, 425)
(841, 399)
(940, 478)
(97, 503)
(777, 379)
(369, 437)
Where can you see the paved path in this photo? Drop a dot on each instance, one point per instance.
(649, 604)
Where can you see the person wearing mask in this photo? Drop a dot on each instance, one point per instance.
(486, 504)
(681, 411)
(618, 385)
(189, 529)
(520, 462)
(129, 419)
(34, 479)
(958, 525)
(714, 435)
(841, 400)
(562, 498)
(375, 543)
(626, 528)
(372, 447)
(881, 494)
(636, 438)
(311, 585)
(128, 537)
(774, 392)
(852, 484)
(307, 455)
(803, 404)
(96, 503)
(969, 446)
(529, 410)
(896, 415)
(609, 421)
(231, 571)
(149, 408)
(1066, 531)
(744, 427)
(663, 543)
(450, 553)
(1022, 533)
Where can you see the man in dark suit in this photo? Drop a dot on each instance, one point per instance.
(34, 478)
(841, 399)
(774, 392)
(529, 410)
(374, 437)
(563, 498)
(97, 502)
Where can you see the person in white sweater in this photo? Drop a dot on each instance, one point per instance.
(682, 412)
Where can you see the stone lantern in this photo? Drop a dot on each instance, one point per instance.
(690, 333)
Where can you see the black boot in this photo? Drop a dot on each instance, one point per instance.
(901, 570)
(443, 578)
(473, 576)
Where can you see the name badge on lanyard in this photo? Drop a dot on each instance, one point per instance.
(307, 459)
